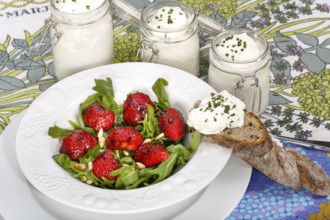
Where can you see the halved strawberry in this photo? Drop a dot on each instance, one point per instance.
(151, 154)
(171, 122)
(77, 143)
(104, 164)
(97, 117)
(135, 106)
(124, 137)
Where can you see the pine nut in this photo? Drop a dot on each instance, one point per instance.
(80, 166)
(90, 166)
(100, 133)
(89, 182)
(141, 166)
(101, 142)
(146, 141)
(83, 178)
(160, 136)
(117, 153)
(126, 153)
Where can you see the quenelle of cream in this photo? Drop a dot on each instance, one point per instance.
(216, 113)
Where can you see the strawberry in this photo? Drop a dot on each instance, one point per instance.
(104, 164)
(97, 117)
(77, 143)
(171, 122)
(135, 106)
(151, 154)
(124, 137)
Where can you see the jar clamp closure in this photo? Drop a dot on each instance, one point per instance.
(81, 36)
(169, 36)
(239, 63)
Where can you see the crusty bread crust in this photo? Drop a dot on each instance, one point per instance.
(281, 164)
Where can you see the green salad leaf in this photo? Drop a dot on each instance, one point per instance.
(91, 154)
(195, 141)
(178, 155)
(184, 153)
(128, 175)
(150, 127)
(104, 87)
(57, 132)
(164, 169)
(74, 125)
(159, 90)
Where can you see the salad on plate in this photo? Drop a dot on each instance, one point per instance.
(124, 146)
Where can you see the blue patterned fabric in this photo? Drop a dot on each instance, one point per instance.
(267, 199)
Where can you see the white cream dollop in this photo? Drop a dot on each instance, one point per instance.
(77, 6)
(239, 48)
(216, 113)
(168, 19)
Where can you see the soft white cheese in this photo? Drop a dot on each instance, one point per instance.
(86, 38)
(216, 113)
(175, 47)
(239, 47)
(77, 6)
(168, 19)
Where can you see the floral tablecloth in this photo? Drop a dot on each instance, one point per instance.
(298, 32)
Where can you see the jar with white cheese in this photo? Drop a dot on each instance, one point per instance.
(85, 35)
(169, 36)
(239, 63)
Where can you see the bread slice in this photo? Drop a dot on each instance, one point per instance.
(251, 138)
(252, 143)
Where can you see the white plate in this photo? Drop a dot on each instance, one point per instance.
(217, 202)
(60, 103)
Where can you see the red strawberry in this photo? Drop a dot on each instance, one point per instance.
(171, 122)
(135, 106)
(77, 143)
(124, 137)
(97, 117)
(151, 154)
(104, 164)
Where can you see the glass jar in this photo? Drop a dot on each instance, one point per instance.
(239, 63)
(84, 38)
(169, 36)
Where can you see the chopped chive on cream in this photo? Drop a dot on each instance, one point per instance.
(231, 42)
(169, 20)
